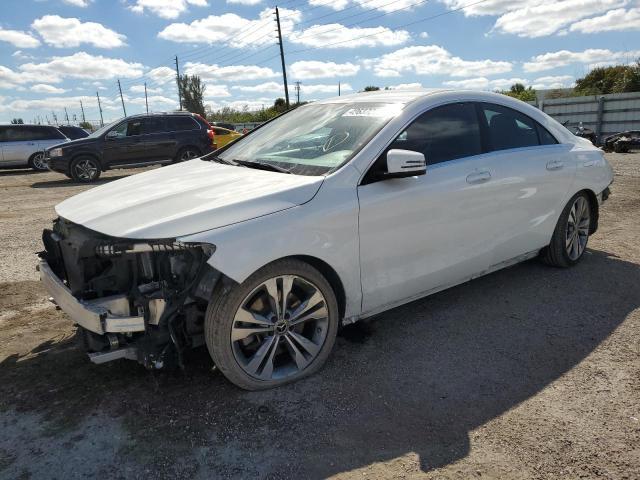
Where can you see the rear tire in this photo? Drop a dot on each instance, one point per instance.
(255, 342)
(570, 237)
(187, 153)
(37, 162)
(85, 169)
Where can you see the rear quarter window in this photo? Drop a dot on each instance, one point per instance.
(182, 123)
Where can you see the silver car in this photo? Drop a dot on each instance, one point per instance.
(24, 145)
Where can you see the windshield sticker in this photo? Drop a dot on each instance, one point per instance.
(378, 112)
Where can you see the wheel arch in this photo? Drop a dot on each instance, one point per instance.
(87, 154)
(332, 277)
(595, 209)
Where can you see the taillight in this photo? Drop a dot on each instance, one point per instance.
(211, 135)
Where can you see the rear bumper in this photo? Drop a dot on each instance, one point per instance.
(102, 316)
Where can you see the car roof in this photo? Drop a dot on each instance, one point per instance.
(385, 96)
(159, 114)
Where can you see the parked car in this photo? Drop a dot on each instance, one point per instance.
(24, 145)
(261, 251)
(136, 141)
(73, 133)
(228, 126)
(622, 142)
(222, 136)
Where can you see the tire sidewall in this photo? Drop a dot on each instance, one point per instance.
(221, 312)
(33, 165)
(72, 170)
(564, 218)
(181, 152)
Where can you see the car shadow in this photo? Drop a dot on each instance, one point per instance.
(66, 182)
(416, 379)
(18, 171)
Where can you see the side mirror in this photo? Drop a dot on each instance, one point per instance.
(405, 163)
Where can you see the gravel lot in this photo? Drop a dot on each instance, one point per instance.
(531, 372)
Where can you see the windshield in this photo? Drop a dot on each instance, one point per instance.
(102, 130)
(313, 139)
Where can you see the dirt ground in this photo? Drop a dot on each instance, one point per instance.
(531, 372)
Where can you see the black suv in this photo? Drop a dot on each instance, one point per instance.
(135, 141)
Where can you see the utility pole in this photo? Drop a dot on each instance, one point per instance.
(66, 115)
(298, 92)
(178, 82)
(47, 117)
(122, 99)
(284, 69)
(338, 88)
(146, 101)
(82, 109)
(55, 118)
(100, 109)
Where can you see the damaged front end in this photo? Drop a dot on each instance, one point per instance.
(135, 299)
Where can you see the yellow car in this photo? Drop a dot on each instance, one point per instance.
(222, 136)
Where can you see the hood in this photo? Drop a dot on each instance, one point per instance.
(73, 143)
(186, 198)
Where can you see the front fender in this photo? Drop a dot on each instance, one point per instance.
(325, 228)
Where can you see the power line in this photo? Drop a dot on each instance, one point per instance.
(420, 20)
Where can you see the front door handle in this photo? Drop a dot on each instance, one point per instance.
(478, 177)
(555, 165)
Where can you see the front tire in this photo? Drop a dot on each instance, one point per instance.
(570, 237)
(37, 162)
(277, 327)
(85, 169)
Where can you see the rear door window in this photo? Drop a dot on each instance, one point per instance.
(181, 123)
(508, 128)
(154, 125)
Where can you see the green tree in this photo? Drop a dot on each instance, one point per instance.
(192, 93)
(86, 125)
(371, 88)
(17, 121)
(613, 79)
(519, 91)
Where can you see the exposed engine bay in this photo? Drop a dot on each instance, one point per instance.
(142, 300)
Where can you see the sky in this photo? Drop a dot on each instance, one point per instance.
(55, 54)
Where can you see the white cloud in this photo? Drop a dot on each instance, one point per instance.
(432, 60)
(405, 86)
(229, 73)
(229, 29)
(82, 65)
(267, 87)
(336, 35)
(166, 8)
(12, 79)
(44, 88)
(307, 69)
(549, 18)
(324, 88)
(556, 81)
(245, 2)
(150, 90)
(216, 91)
(22, 56)
(591, 56)
(424, 35)
(619, 19)
(483, 83)
(335, 5)
(489, 7)
(78, 3)
(162, 75)
(386, 5)
(18, 38)
(71, 32)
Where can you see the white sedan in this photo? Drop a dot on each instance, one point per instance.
(328, 214)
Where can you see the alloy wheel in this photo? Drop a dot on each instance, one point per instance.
(188, 155)
(85, 170)
(38, 162)
(280, 327)
(577, 228)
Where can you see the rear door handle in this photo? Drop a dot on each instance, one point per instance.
(555, 165)
(590, 163)
(478, 177)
